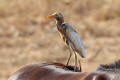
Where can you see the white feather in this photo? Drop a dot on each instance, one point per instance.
(75, 40)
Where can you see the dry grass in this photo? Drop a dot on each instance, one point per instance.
(26, 36)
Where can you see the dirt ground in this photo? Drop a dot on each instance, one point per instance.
(27, 36)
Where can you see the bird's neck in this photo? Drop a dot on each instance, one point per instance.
(59, 23)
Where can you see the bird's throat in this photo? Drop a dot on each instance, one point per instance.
(59, 23)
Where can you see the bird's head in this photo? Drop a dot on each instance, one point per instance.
(57, 16)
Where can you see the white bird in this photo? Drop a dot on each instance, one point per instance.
(70, 37)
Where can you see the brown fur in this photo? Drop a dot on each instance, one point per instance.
(57, 71)
(40, 72)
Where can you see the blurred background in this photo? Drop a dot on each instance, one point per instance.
(27, 36)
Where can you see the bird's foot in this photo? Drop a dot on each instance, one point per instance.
(75, 69)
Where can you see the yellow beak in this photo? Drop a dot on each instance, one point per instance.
(51, 16)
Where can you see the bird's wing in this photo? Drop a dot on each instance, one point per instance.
(76, 41)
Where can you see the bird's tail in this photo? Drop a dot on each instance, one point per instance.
(82, 53)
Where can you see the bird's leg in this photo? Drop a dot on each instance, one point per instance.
(80, 68)
(69, 57)
(75, 68)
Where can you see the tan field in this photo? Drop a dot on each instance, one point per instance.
(27, 36)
